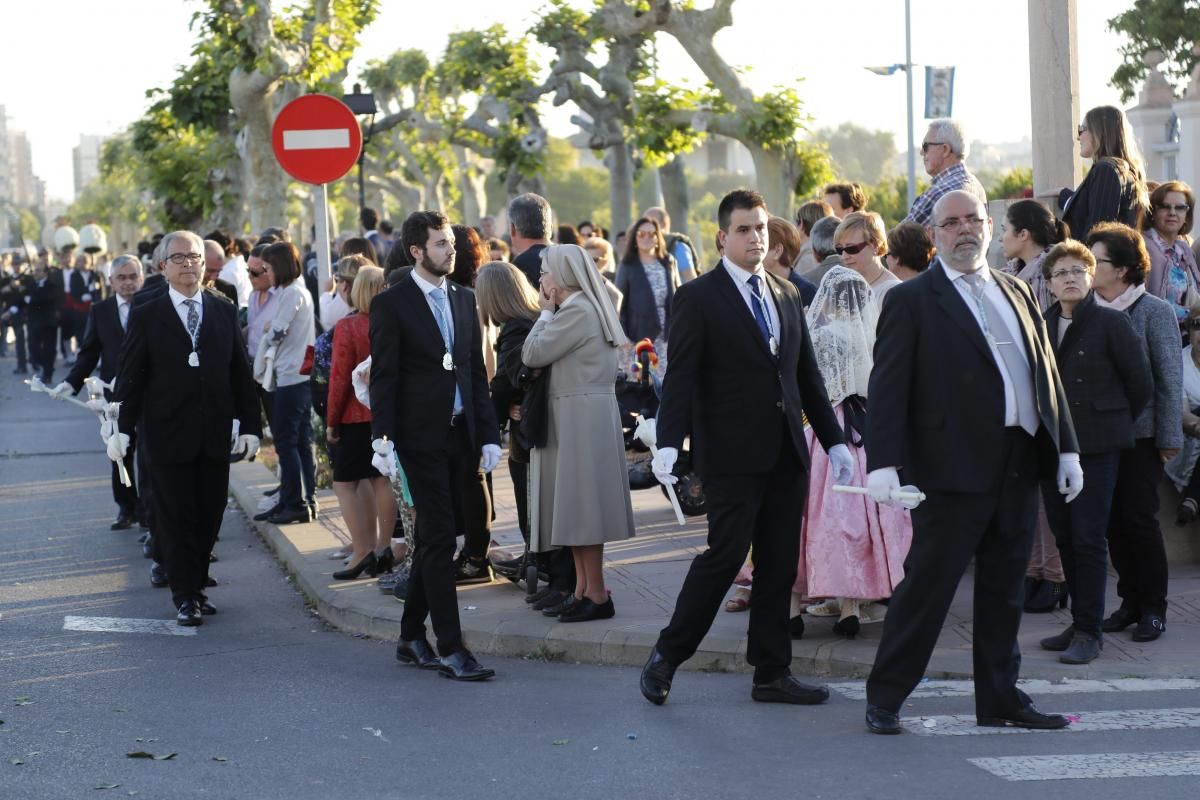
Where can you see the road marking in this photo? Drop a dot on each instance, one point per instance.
(856, 690)
(1145, 719)
(317, 139)
(120, 625)
(1094, 765)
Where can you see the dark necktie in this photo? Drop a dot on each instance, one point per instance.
(759, 304)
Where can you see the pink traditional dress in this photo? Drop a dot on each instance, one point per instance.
(850, 547)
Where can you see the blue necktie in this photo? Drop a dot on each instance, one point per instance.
(760, 316)
(439, 312)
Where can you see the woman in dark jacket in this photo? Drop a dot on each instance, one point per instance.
(1108, 382)
(647, 279)
(1114, 190)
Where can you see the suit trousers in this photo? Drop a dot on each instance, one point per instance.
(145, 487)
(126, 497)
(1079, 528)
(760, 509)
(189, 501)
(473, 516)
(22, 350)
(996, 527)
(435, 480)
(41, 349)
(1135, 540)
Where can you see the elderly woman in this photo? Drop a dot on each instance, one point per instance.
(291, 334)
(1030, 230)
(1182, 469)
(1114, 189)
(807, 216)
(1107, 379)
(1135, 541)
(580, 477)
(1173, 273)
(910, 250)
(647, 279)
(365, 497)
(860, 240)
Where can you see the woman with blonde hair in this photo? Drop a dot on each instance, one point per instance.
(861, 242)
(367, 502)
(579, 477)
(1114, 189)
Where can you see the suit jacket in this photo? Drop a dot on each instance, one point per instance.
(725, 389)
(1102, 196)
(186, 413)
(937, 398)
(154, 286)
(639, 310)
(1105, 373)
(530, 263)
(101, 343)
(412, 395)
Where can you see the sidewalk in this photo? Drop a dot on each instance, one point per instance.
(644, 575)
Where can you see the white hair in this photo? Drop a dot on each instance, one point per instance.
(164, 247)
(951, 132)
(121, 261)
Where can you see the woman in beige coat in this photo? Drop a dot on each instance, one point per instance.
(580, 477)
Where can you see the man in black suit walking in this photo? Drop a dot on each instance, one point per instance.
(741, 379)
(43, 309)
(185, 377)
(972, 409)
(430, 407)
(102, 339)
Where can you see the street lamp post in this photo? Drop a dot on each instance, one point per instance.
(362, 104)
(907, 67)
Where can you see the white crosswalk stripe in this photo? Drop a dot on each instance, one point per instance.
(856, 690)
(1092, 765)
(1144, 719)
(123, 625)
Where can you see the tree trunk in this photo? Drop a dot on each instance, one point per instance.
(265, 181)
(679, 207)
(619, 161)
(472, 184)
(770, 176)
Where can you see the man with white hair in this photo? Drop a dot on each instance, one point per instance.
(943, 151)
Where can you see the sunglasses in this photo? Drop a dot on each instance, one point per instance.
(926, 145)
(852, 249)
(1176, 209)
(1081, 130)
(256, 273)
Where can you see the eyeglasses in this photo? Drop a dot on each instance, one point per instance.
(1177, 209)
(954, 223)
(647, 234)
(1073, 272)
(1081, 130)
(926, 145)
(852, 249)
(179, 259)
(256, 273)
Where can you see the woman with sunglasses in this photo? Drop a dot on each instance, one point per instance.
(1173, 273)
(861, 242)
(1182, 469)
(1114, 190)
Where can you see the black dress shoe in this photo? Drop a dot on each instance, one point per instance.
(385, 561)
(880, 720)
(566, 604)
(207, 609)
(1084, 649)
(1120, 619)
(587, 610)
(847, 627)
(271, 492)
(550, 598)
(537, 596)
(417, 651)
(368, 565)
(656, 677)
(1149, 628)
(1028, 717)
(789, 690)
(285, 516)
(124, 522)
(189, 614)
(796, 627)
(263, 516)
(462, 666)
(210, 582)
(158, 576)
(1059, 642)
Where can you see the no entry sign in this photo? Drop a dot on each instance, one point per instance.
(316, 138)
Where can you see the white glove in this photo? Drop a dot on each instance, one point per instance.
(1070, 475)
(881, 483)
(491, 457)
(64, 389)
(663, 463)
(118, 444)
(98, 405)
(842, 463)
(384, 459)
(247, 443)
(87, 297)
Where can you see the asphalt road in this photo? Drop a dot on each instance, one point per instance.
(265, 701)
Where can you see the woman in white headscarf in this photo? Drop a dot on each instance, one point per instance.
(852, 550)
(579, 479)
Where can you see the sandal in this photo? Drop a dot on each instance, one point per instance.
(739, 602)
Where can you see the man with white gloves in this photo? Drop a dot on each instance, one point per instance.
(185, 377)
(740, 381)
(970, 406)
(430, 408)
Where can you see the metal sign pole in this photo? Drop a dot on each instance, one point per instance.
(321, 217)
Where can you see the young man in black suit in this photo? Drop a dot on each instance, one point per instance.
(102, 340)
(430, 407)
(740, 379)
(184, 376)
(973, 411)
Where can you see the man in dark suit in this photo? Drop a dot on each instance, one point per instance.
(529, 221)
(430, 407)
(972, 409)
(82, 288)
(43, 310)
(185, 377)
(102, 339)
(740, 380)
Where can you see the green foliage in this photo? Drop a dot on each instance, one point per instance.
(655, 135)
(814, 168)
(777, 120)
(1167, 25)
(858, 154)
(28, 225)
(172, 160)
(565, 25)
(1013, 184)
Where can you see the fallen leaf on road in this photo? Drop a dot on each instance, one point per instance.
(16, 762)
(22, 701)
(107, 785)
(219, 758)
(560, 742)
(144, 754)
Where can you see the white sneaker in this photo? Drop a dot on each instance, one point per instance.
(871, 612)
(826, 608)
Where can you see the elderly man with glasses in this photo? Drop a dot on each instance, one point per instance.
(943, 152)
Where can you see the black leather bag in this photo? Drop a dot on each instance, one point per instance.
(535, 411)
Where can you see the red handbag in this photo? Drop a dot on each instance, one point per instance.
(306, 367)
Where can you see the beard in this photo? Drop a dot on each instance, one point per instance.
(443, 268)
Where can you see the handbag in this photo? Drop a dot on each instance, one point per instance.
(535, 411)
(307, 365)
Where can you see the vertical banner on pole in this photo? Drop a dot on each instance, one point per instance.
(939, 92)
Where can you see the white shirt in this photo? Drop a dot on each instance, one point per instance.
(123, 312)
(333, 309)
(234, 272)
(996, 295)
(182, 310)
(741, 279)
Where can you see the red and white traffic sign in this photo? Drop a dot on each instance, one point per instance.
(316, 138)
